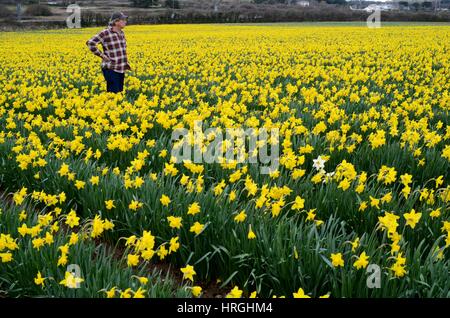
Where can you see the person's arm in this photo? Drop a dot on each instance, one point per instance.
(92, 45)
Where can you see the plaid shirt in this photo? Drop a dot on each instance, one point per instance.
(114, 46)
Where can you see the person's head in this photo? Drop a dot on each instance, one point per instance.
(118, 19)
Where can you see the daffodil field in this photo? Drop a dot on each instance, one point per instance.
(87, 179)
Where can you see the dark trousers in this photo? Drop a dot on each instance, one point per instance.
(114, 80)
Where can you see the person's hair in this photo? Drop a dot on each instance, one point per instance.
(113, 22)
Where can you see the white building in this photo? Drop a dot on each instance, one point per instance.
(381, 7)
(302, 3)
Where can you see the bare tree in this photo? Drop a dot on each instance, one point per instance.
(216, 4)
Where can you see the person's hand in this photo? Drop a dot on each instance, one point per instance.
(105, 58)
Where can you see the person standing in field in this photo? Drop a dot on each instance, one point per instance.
(114, 55)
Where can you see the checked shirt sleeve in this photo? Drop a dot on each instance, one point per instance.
(93, 42)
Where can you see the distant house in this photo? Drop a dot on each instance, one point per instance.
(381, 7)
(302, 3)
